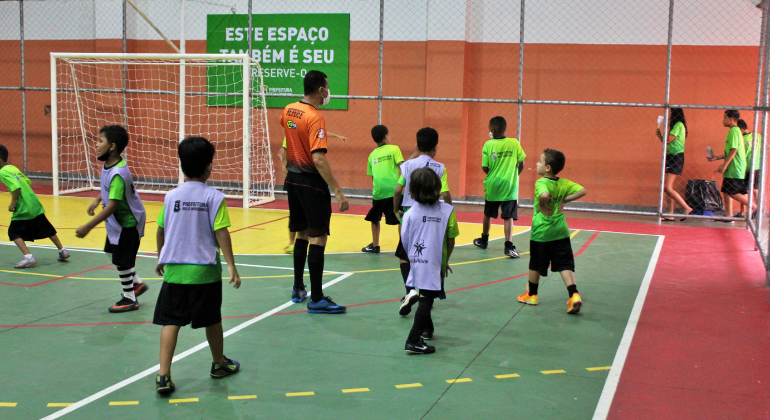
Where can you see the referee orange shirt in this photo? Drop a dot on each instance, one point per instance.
(305, 131)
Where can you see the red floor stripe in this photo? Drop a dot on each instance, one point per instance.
(260, 224)
(59, 278)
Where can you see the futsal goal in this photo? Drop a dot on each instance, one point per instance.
(161, 99)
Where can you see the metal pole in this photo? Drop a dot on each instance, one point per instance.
(667, 115)
(382, 38)
(55, 130)
(251, 31)
(757, 102)
(763, 157)
(246, 131)
(23, 91)
(182, 87)
(521, 68)
(125, 68)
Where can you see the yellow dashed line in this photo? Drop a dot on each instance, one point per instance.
(599, 368)
(124, 402)
(183, 400)
(299, 394)
(242, 397)
(59, 404)
(7, 404)
(348, 391)
(512, 375)
(574, 233)
(408, 386)
(551, 372)
(457, 381)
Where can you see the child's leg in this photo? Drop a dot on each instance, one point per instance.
(127, 281)
(292, 236)
(405, 267)
(508, 227)
(422, 318)
(168, 336)
(534, 281)
(569, 280)
(57, 242)
(485, 226)
(22, 246)
(216, 339)
(375, 233)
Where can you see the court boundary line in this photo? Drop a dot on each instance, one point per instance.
(613, 377)
(178, 357)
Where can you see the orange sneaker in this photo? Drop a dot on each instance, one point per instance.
(526, 298)
(574, 303)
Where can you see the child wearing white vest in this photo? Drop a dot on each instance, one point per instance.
(192, 228)
(428, 233)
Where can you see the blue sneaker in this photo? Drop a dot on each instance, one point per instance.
(230, 367)
(298, 296)
(325, 306)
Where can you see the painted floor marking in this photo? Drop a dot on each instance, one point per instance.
(599, 368)
(124, 402)
(299, 394)
(182, 400)
(511, 375)
(242, 397)
(611, 384)
(402, 386)
(59, 404)
(153, 370)
(574, 233)
(348, 391)
(552, 372)
(7, 404)
(457, 381)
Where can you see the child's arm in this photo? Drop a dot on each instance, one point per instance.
(397, 198)
(576, 196)
(94, 204)
(728, 159)
(521, 167)
(330, 134)
(14, 198)
(106, 212)
(160, 239)
(542, 204)
(450, 246)
(223, 239)
(447, 196)
(282, 157)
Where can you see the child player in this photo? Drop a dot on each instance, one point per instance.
(734, 168)
(428, 231)
(28, 221)
(383, 168)
(427, 142)
(122, 213)
(748, 139)
(549, 241)
(192, 227)
(502, 159)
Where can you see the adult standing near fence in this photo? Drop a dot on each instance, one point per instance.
(307, 183)
(677, 133)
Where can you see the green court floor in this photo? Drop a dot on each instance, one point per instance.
(495, 357)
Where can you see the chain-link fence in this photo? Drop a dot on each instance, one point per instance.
(592, 78)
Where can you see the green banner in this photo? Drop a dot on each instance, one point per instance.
(286, 47)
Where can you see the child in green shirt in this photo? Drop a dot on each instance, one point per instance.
(748, 140)
(28, 221)
(502, 159)
(549, 243)
(734, 168)
(383, 167)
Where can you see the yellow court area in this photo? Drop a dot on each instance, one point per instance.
(253, 231)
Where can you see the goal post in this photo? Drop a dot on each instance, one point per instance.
(167, 96)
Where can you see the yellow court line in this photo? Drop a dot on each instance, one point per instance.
(512, 375)
(242, 397)
(452, 264)
(160, 278)
(599, 368)
(574, 233)
(7, 404)
(457, 381)
(124, 402)
(183, 400)
(348, 391)
(31, 274)
(59, 404)
(408, 386)
(551, 372)
(299, 394)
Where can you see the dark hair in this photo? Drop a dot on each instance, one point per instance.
(195, 154)
(313, 80)
(498, 122)
(742, 125)
(117, 135)
(424, 186)
(732, 113)
(677, 116)
(555, 159)
(379, 132)
(4, 153)
(427, 139)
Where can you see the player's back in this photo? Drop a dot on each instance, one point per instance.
(305, 132)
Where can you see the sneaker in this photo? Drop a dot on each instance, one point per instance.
(26, 262)
(427, 335)
(289, 249)
(526, 298)
(63, 254)
(511, 252)
(164, 385)
(574, 303)
(231, 367)
(124, 305)
(325, 306)
(481, 242)
(406, 303)
(298, 296)
(371, 249)
(140, 288)
(419, 347)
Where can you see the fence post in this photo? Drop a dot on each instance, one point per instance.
(521, 67)
(667, 114)
(382, 38)
(23, 91)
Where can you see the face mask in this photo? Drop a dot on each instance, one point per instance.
(104, 157)
(491, 136)
(325, 101)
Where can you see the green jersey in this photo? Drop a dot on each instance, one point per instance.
(737, 167)
(383, 168)
(452, 231)
(28, 206)
(502, 157)
(193, 273)
(677, 146)
(554, 227)
(749, 141)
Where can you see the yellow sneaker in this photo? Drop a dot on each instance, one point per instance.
(526, 298)
(289, 249)
(574, 303)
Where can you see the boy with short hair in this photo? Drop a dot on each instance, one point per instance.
(549, 243)
(122, 213)
(383, 167)
(192, 228)
(428, 231)
(734, 168)
(502, 159)
(427, 143)
(28, 221)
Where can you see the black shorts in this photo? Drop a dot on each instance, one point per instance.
(124, 253)
(29, 230)
(557, 254)
(310, 206)
(182, 304)
(733, 186)
(675, 164)
(756, 180)
(378, 208)
(510, 209)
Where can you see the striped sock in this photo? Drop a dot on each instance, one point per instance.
(127, 281)
(137, 280)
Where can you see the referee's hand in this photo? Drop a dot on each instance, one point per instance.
(344, 205)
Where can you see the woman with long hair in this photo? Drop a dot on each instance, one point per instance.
(677, 132)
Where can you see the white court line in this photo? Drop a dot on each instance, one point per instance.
(611, 384)
(178, 357)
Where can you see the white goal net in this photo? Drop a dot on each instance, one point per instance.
(161, 99)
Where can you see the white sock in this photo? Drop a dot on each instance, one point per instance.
(137, 280)
(28, 255)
